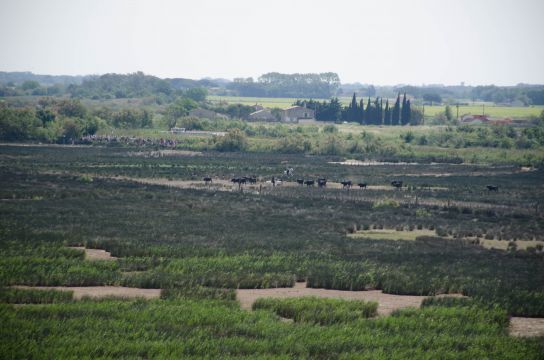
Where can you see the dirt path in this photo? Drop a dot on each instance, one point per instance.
(101, 291)
(526, 327)
(387, 303)
(94, 254)
(164, 153)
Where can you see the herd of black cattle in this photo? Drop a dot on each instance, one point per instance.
(321, 182)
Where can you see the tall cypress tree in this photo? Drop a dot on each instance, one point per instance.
(387, 114)
(396, 112)
(369, 113)
(362, 111)
(352, 111)
(408, 112)
(403, 118)
(381, 112)
(378, 119)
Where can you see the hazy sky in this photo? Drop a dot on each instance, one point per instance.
(379, 42)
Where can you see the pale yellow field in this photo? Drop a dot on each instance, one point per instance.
(503, 244)
(392, 234)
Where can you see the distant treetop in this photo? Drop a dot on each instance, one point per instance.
(274, 84)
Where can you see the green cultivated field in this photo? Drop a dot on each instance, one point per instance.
(281, 103)
(498, 111)
(491, 110)
(200, 244)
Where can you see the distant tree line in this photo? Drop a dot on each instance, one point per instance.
(55, 119)
(528, 95)
(374, 113)
(116, 86)
(317, 86)
(322, 86)
(108, 86)
(19, 77)
(523, 93)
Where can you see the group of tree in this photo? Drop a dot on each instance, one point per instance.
(31, 88)
(65, 120)
(375, 112)
(115, 86)
(526, 94)
(51, 120)
(323, 85)
(108, 86)
(60, 118)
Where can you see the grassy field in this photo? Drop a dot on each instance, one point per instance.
(216, 329)
(281, 103)
(490, 110)
(198, 245)
(430, 111)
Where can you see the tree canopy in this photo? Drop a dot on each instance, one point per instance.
(274, 84)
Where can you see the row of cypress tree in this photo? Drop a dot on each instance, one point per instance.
(375, 114)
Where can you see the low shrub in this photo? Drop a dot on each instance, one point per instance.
(34, 296)
(317, 310)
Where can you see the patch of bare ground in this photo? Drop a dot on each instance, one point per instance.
(503, 244)
(101, 291)
(94, 254)
(472, 173)
(526, 327)
(162, 153)
(387, 303)
(353, 162)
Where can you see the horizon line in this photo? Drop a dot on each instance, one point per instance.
(430, 84)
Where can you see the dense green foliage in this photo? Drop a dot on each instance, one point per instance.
(373, 114)
(321, 86)
(198, 292)
(60, 121)
(120, 86)
(219, 329)
(447, 301)
(32, 296)
(318, 310)
(469, 136)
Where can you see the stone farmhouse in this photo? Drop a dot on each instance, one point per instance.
(289, 115)
(296, 113)
(262, 115)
